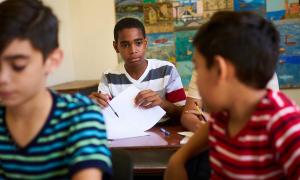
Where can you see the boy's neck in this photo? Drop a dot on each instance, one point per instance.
(38, 104)
(137, 70)
(26, 121)
(242, 107)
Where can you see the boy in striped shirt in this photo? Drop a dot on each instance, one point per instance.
(43, 135)
(159, 81)
(253, 132)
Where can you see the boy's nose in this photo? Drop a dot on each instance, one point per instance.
(4, 75)
(133, 48)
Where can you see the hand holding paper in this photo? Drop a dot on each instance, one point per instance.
(133, 121)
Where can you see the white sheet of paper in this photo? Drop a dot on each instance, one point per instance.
(133, 121)
(186, 133)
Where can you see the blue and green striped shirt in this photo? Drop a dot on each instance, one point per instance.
(73, 138)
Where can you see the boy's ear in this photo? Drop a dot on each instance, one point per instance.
(53, 60)
(115, 44)
(223, 67)
(146, 42)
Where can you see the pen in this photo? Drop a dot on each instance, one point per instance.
(111, 107)
(166, 133)
(200, 112)
(113, 110)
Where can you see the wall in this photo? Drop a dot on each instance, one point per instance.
(86, 35)
(66, 71)
(92, 35)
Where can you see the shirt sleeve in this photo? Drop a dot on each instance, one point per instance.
(103, 86)
(174, 89)
(284, 128)
(87, 142)
(193, 89)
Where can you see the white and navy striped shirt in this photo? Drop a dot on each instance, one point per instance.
(159, 76)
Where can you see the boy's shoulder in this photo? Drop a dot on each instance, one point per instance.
(159, 63)
(72, 101)
(276, 108)
(277, 100)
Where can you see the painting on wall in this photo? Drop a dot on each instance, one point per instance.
(184, 46)
(131, 10)
(171, 24)
(292, 9)
(161, 46)
(258, 6)
(212, 6)
(158, 17)
(128, 2)
(184, 69)
(288, 68)
(187, 14)
(275, 9)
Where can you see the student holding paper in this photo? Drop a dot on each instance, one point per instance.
(159, 81)
(43, 134)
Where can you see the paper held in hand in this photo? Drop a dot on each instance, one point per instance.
(133, 121)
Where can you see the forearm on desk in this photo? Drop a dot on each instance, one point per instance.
(172, 110)
(189, 120)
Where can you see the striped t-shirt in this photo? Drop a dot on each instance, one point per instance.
(73, 138)
(159, 76)
(268, 147)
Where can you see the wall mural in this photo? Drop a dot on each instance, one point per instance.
(171, 24)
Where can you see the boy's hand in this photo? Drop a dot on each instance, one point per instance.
(148, 99)
(100, 99)
(200, 115)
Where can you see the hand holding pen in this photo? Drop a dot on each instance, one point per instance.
(103, 100)
(100, 98)
(197, 112)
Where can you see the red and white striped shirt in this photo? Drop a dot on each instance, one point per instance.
(268, 147)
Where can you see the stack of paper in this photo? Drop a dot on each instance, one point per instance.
(133, 121)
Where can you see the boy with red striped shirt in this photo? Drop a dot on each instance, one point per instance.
(253, 132)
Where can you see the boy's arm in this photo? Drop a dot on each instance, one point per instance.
(91, 174)
(189, 119)
(197, 144)
(171, 109)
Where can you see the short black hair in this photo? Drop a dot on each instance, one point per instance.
(126, 23)
(247, 40)
(28, 20)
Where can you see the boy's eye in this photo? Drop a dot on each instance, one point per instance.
(125, 45)
(18, 66)
(139, 42)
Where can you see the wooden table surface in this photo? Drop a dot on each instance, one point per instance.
(77, 86)
(150, 154)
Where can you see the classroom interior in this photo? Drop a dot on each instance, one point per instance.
(86, 36)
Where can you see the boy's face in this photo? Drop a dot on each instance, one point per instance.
(207, 82)
(22, 73)
(131, 45)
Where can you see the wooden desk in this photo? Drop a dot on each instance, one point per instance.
(150, 154)
(82, 86)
